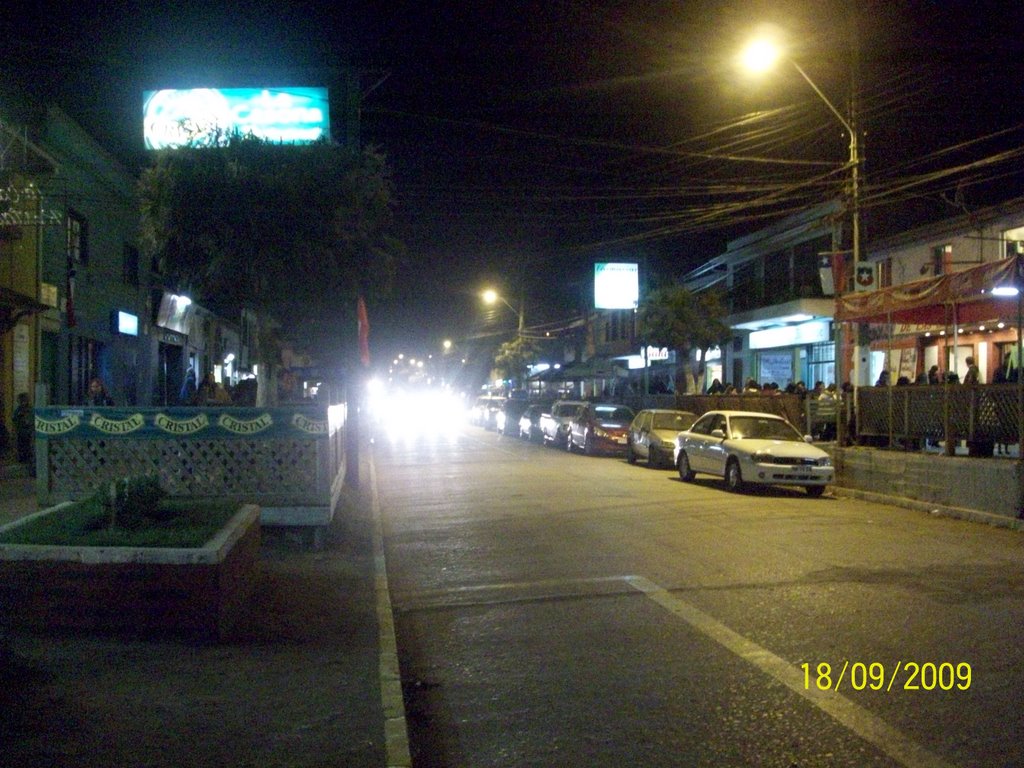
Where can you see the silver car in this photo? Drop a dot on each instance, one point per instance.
(746, 447)
(653, 433)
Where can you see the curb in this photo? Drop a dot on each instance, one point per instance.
(959, 513)
(396, 733)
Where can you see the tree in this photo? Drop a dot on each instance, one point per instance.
(687, 322)
(295, 231)
(514, 358)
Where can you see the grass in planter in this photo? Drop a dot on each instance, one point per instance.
(177, 523)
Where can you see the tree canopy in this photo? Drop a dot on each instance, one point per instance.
(293, 231)
(514, 358)
(687, 322)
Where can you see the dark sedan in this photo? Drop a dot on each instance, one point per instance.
(600, 428)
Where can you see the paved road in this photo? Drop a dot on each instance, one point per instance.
(556, 609)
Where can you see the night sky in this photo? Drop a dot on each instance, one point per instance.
(529, 139)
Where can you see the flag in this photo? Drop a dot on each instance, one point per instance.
(70, 303)
(364, 332)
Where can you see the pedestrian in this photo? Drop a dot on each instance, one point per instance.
(212, 393)
(24, 428)
(187, 395)
(973, 375)
(98, 395)
(883, 378)
(933, 375)
(1001, 375)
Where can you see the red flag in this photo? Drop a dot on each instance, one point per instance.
(70, 303)
(364, 332)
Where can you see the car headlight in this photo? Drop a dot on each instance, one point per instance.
(761, 457)
(600, 432)
(825, 461)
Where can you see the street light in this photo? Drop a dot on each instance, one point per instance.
(491, 296)
(760, 56)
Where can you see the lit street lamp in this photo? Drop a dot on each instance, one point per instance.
(491, 296)
(761, 56)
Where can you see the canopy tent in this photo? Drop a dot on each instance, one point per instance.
(960, 297)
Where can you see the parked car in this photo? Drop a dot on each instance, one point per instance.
(529, 423)
(652, 435)
(485, 410)
(506, 418)
(745, 447)
(554, 424)
(600, 428)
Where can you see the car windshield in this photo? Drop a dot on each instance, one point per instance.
(609, 413)
(676, 421)
(756, 428)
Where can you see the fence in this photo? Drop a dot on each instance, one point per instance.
(986, 413)
(784, 404)
(289, 460)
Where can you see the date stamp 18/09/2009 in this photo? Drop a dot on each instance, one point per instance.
(875, 676)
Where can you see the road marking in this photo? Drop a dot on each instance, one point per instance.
(396, 732)
(852, 716)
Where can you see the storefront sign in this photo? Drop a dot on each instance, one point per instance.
(190, 423)
(813, 332)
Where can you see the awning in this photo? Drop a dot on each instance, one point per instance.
(964, 296)
(14, 306)
(579, 371)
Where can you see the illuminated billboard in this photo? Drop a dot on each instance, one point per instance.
(616, 286)
(204, 116)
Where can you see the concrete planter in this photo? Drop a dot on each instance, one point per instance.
(197, 592)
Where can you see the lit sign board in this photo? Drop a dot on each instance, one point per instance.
(204, 116)
(790, 335)
(126, 323)
(173, 312)
(616, 286)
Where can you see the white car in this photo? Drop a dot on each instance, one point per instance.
(554, 424)
(747, 447)
(653, 432)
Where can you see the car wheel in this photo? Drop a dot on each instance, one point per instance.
(653, 457)
(733, 478)
(683, 465)
(588, 444)
(814, 491)
(569, 446)
(630, 454)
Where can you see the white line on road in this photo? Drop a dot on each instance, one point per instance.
(852, 716)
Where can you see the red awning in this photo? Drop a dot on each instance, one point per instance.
(964, 296)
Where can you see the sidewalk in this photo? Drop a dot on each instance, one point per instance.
(309, 677)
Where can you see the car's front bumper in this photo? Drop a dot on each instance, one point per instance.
(788, 474)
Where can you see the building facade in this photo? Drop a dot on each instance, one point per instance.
(924, 323)
(777, 284)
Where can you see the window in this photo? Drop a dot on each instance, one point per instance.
(130, 266)
(1014, 242)
(885, 273)
(78, 242)
(703, 425)
(942, 258)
